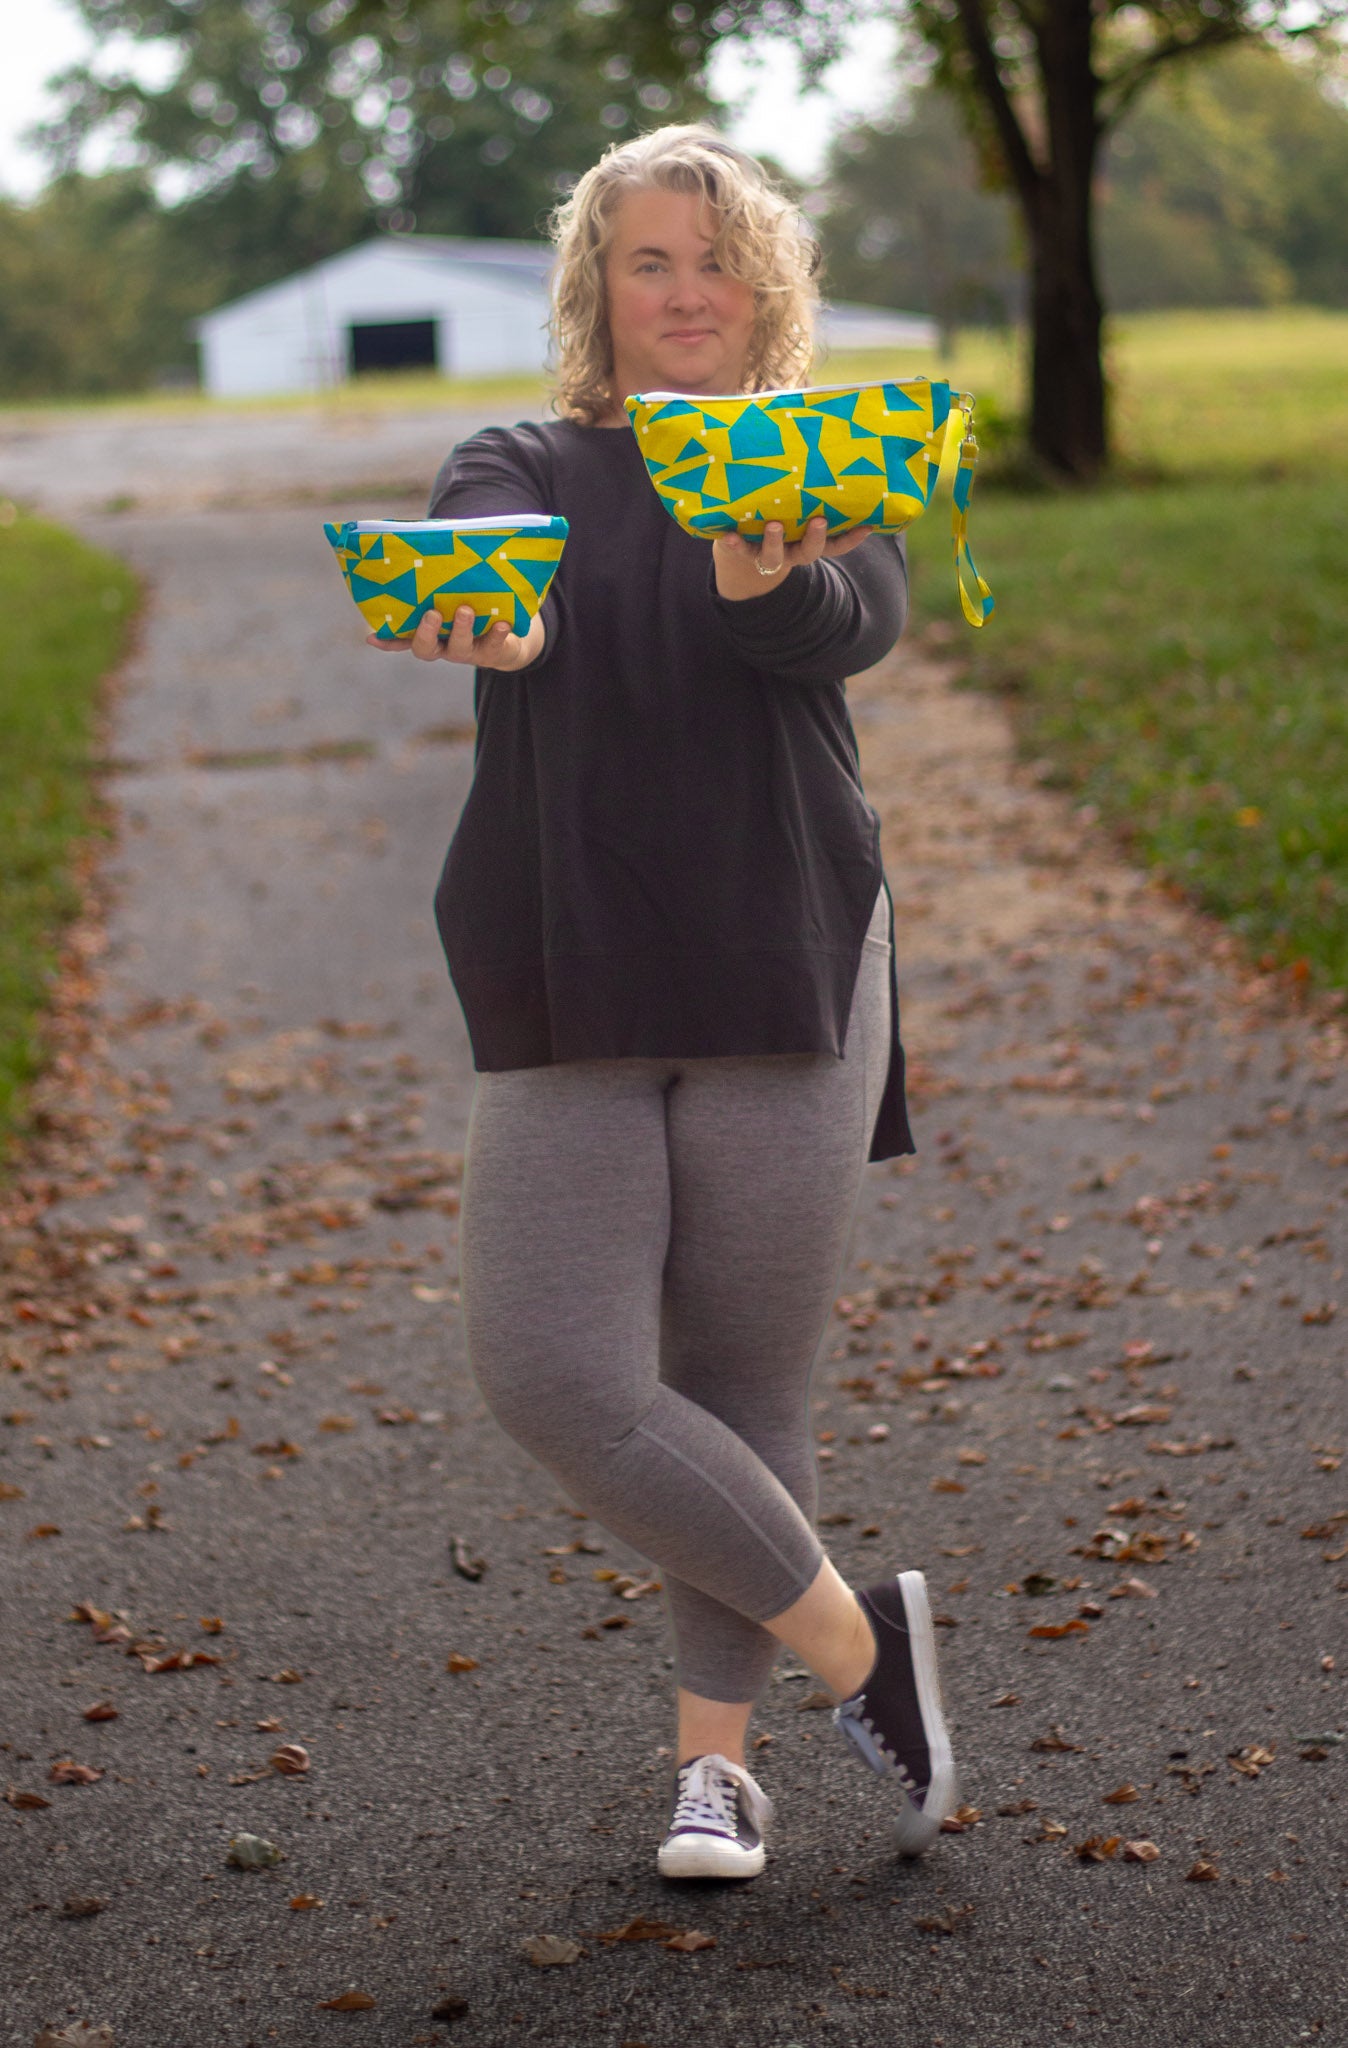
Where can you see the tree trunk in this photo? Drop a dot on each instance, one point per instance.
(1068, 425)
(1068, 428)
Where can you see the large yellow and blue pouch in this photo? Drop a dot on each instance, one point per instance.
(398, 570)
(860, 454)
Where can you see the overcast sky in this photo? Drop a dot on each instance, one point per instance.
(43, 36)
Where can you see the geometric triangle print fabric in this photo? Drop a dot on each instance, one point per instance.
(502, 571)
(862, 454)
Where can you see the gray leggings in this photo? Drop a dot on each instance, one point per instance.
(650, 1249)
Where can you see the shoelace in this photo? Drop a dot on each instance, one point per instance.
(852, 1710)
(708, 1796)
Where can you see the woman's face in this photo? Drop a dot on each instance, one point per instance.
(677, 321)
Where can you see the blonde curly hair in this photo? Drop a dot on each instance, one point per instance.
(758, 237)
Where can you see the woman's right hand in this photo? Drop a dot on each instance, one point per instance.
(498, 647)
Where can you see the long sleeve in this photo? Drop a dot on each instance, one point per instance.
(495, 470)
(826, 621)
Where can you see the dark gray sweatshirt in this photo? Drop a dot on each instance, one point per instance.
(666, 850)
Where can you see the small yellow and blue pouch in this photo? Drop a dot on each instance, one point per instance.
(860, 454)
(398, 570)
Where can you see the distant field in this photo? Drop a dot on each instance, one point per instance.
(1195, 394)
(1175, 650)
(66, 608)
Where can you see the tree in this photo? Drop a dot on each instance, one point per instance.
(283, 136)
(1042, 83)
(1223, 186)
(906, 220)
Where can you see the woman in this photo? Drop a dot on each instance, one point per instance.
(665, 914)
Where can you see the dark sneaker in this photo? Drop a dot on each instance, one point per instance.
(895, 1722)
(720, 1816)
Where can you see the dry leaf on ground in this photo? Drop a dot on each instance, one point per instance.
(547, 1949)
(639, 1929)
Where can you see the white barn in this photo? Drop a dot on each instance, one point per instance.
(463, 307)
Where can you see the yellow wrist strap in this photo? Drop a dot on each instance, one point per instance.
(977, 608)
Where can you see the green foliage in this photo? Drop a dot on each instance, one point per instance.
(1174, 653)
(65, 606)
(1225, 187)
(296, 132)
(1221, 187)
(909, 222)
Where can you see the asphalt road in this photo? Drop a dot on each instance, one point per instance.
(1095, 1316)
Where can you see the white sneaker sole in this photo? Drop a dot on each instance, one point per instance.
(916, 1828)
(694, 1855)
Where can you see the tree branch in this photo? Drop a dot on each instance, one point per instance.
(1119, 90)
(1024, 171)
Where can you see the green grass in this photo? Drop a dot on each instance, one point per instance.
(65, 608)
(1176, 655)
(1225, 394)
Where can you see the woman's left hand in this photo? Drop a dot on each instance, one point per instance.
(746, 569)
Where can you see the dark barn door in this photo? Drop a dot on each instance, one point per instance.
(392, 345)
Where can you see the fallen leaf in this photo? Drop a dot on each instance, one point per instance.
(25, 1802)
(101, 1710)
(68, 1773)
(1007, 1699)
(947, 1486)
(961, 1820)
(1203, 1872)
(1251, 1760)
(1054, 1742)
(547, 1949)
(304, 1902)
(76, 1908)
(456, 1661)
(1140, 1852)
(81, 2035)
(1053, 1629)
(946, 1921)
(252, 1852)
(1133, 1589)
(465, 1564)
(639, 1929)
(1122, 1795)
(687, 1943)
(815, 1702)
(350, 2001)
(291, 1760)
(1097, 1848)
